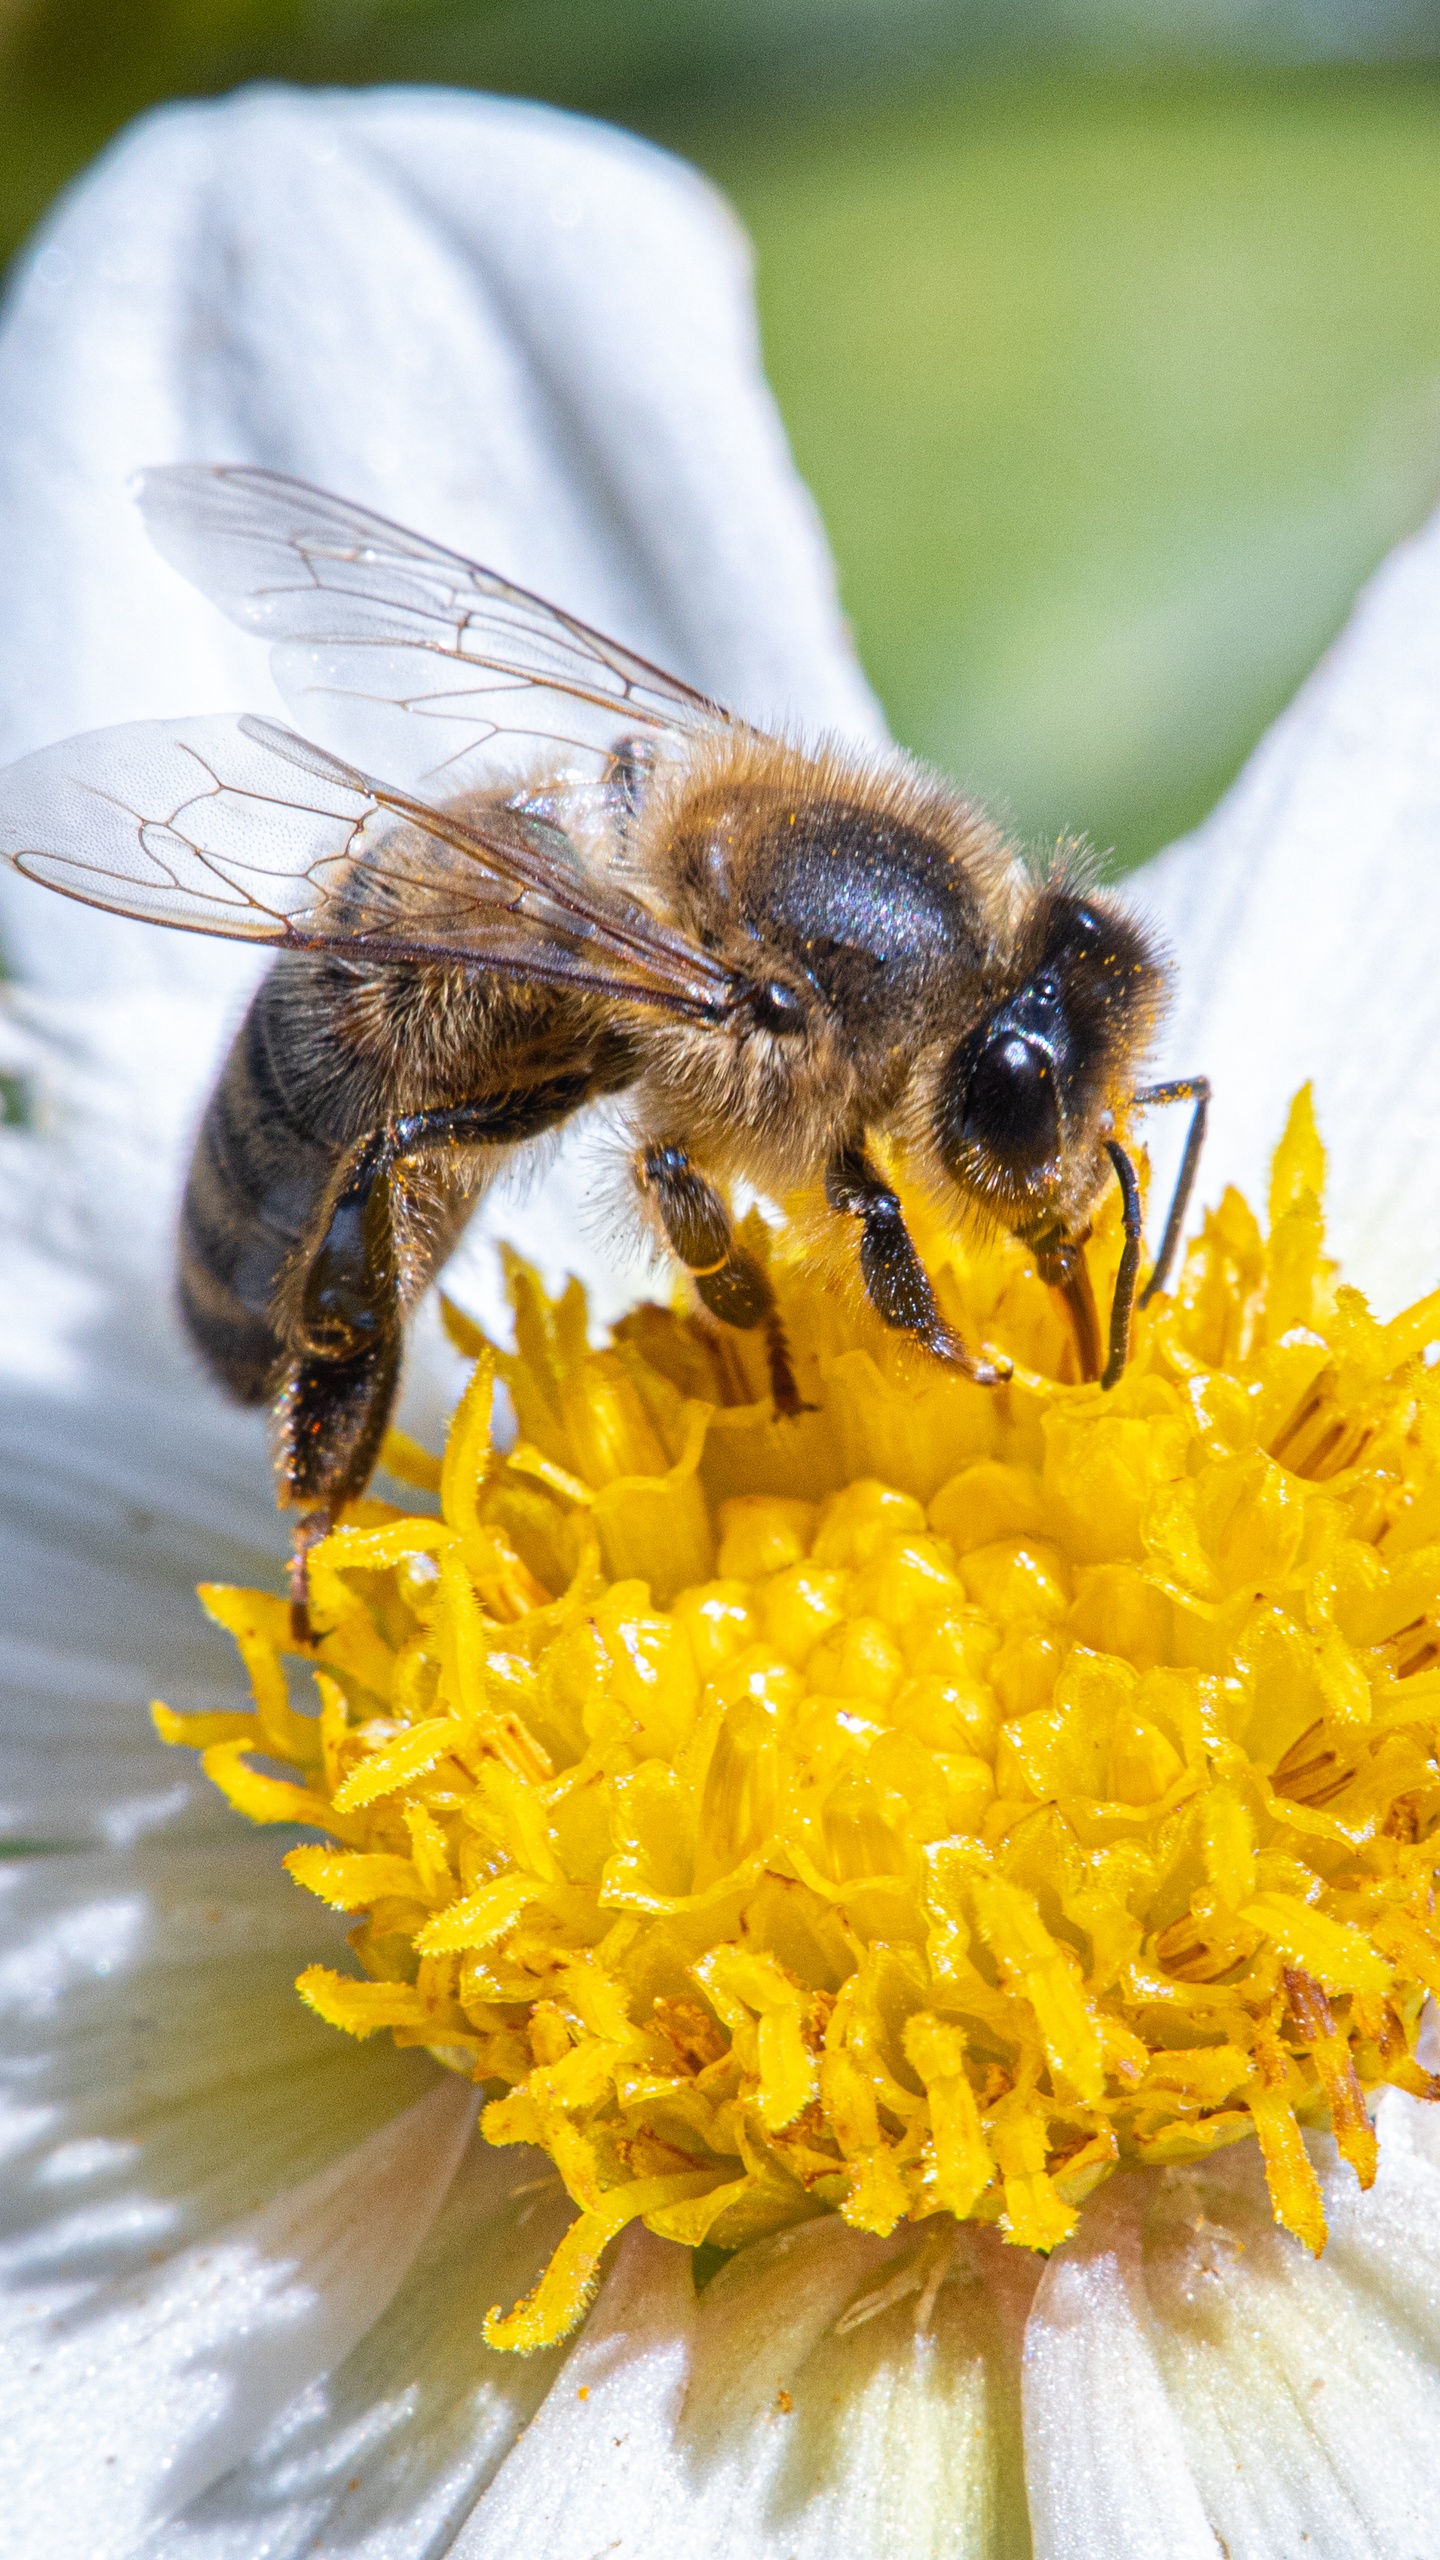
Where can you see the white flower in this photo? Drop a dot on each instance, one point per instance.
(244, 2267)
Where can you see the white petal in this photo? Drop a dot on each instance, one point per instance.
(765, 2424)
(1104, 2456)
(595, 2469)
(134, 2402)
(123, 1482)
(383, 2458)
(151, 2032)
(903, 2436)
(1305, 918)
(1191, 2370)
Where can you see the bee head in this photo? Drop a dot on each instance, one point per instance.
(1021, 1098)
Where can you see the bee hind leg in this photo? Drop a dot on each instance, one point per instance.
(728, 1280)
(895, 1278)
(336, 1397)
(307, 1533)
(330, 1420)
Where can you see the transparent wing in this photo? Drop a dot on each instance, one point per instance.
(241, 828)
(394, 646)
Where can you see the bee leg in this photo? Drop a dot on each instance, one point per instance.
(727, 1280)
(1125, 1278)
(336, 1400)
(307, 1534)
(627, 774)
(330, 1421)
(894, 1276)
(1194, 1089)
(1060, 1261)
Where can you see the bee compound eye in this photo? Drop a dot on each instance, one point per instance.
(1010, 1109)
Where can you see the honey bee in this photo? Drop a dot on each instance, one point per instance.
(775, 952)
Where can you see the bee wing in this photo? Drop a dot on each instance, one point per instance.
(241, 828)
(394, 646)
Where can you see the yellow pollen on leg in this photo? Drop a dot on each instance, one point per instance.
(916, 1808)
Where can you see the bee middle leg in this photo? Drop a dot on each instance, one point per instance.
(894, 1275)
(728, 1280)
(627, 778)
(1195, 1090)
(337, 1396)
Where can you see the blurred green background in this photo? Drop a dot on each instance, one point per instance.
(1107, 331)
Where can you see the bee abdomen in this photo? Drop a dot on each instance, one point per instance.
(257, 1179)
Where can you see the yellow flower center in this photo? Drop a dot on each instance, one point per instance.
(918, 1808)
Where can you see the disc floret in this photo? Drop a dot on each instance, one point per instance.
(918, 1808)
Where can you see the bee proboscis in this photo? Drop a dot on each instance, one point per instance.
(772, 953)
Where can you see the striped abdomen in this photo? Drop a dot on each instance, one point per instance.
(275, 1126)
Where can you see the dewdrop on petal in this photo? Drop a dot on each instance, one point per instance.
(920, 1808)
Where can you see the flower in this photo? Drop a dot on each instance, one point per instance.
(912, 1810)
(245, 2262)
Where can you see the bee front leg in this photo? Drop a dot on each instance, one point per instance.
(894, 1275)
(1060, 1261)
(728, 1280)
